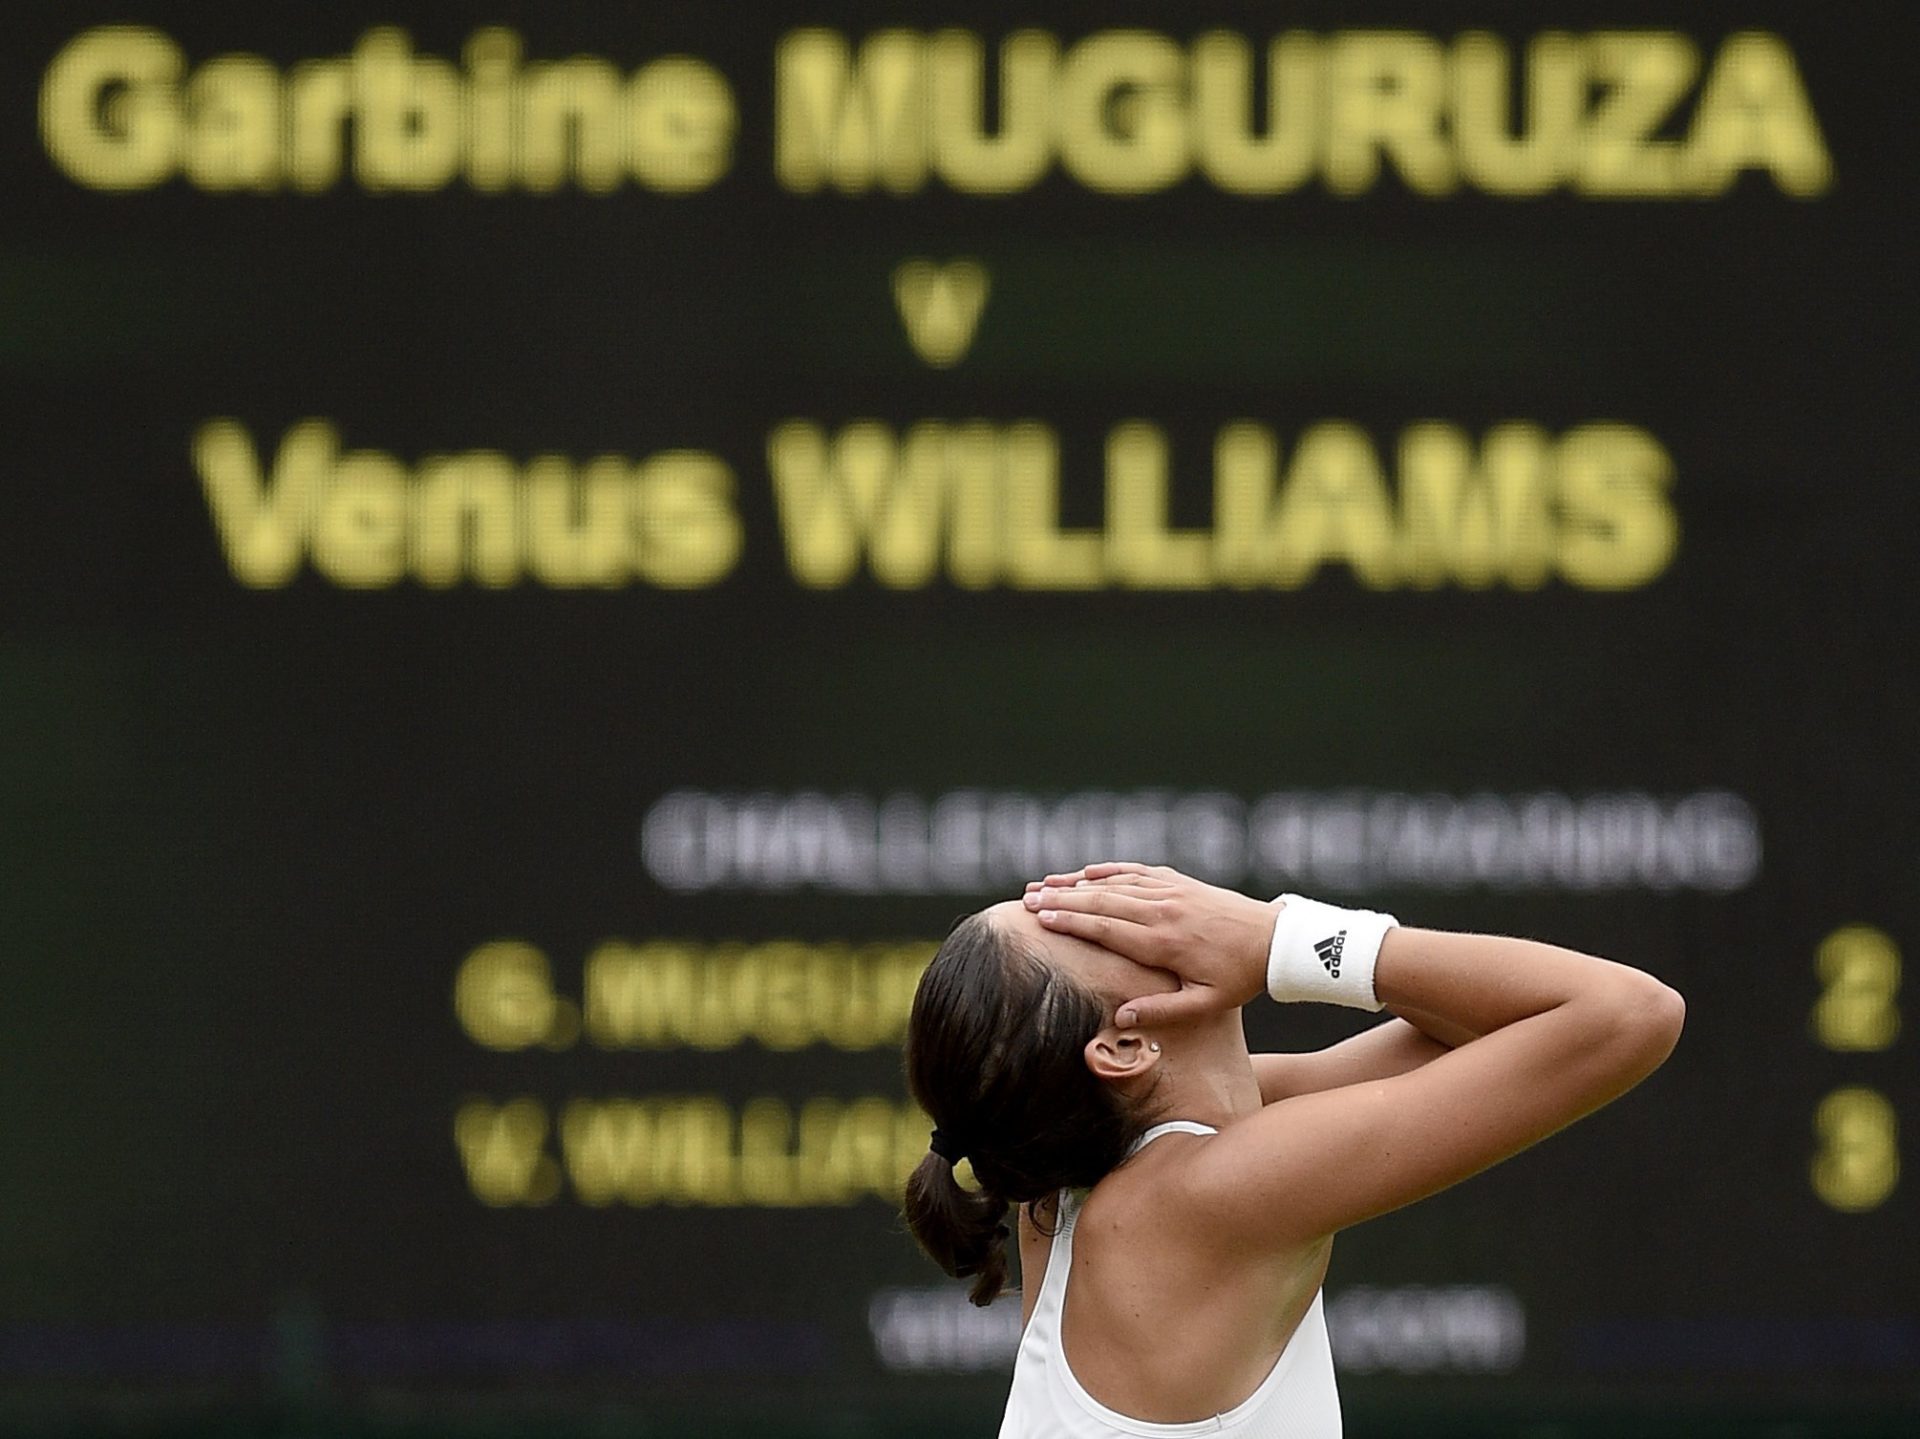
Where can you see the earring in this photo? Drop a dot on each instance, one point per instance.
(1154, 1046)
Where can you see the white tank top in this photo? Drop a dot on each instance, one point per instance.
(1296, 1400)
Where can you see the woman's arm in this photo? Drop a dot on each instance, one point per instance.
(1380, 1053)
(1557, 1035)
(1401, 1044)
(1564, 1034)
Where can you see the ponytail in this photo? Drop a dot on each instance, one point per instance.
(994, 1053)
(964, 1231)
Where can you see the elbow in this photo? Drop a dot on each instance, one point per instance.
(1669, 1017)
(1651, 1016)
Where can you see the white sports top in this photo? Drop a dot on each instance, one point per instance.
(1296, 1400)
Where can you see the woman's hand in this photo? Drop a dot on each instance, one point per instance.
(1214, 939)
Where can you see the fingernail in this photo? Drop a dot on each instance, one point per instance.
(1047, 916)
(1127, 1018)
(1031, 899)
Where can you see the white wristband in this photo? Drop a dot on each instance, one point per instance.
(1325, 953)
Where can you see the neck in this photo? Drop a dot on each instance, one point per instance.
(1207, 1074)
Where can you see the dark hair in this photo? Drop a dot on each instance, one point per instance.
(994, 1056)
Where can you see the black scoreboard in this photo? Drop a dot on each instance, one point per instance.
(550, 550)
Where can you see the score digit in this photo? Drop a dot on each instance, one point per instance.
(1859, 968)
(1858, 1161)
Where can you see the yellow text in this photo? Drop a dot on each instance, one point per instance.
(365, 520)
(120, 109)
(978, 504)
(690, 1150)
(1620, 114)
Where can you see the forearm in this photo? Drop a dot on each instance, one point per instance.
(1585, 1028)
(1447, 1033)
(1474, 984)
(1381, 1052)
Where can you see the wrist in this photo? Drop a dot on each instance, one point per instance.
(1324, 953)
(1257, 946)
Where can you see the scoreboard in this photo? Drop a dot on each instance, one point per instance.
(551, 550)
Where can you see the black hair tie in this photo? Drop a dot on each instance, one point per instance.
(945, 1146)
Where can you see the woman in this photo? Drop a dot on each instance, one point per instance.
(1082, 1049)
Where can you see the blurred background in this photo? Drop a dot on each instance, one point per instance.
(550, 550)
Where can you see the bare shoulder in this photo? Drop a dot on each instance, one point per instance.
(1223, 1308)
(1157, 1204)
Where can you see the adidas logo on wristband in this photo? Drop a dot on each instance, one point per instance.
(1337, 969)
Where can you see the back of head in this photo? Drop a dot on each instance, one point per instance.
(995, 1056)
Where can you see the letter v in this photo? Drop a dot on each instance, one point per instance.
(940, 306)
(263, 525)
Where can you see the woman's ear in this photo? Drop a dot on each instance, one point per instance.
(1120, 1056)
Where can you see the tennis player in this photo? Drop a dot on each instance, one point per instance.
(1082, 1050)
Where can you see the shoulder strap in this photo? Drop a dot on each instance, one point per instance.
(1171, 1126)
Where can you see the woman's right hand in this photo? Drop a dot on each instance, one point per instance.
(1215, 940)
